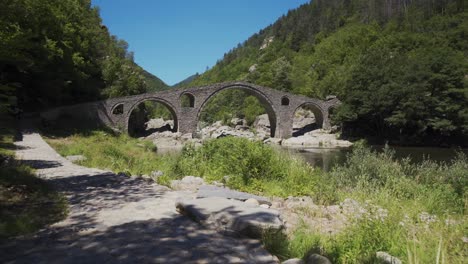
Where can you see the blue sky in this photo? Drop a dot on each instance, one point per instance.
(174, 39)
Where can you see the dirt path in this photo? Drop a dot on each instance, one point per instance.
(117, 219)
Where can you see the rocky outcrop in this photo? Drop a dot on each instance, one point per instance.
(230, 216)
(386, 258)
(266, 42)
(260, 130)
(188, 183)
(293, 261)
(317, 259)
(231, 212)
(207, 191)
(238, 128)
(158, 123)
(76, 158)
(316, 139)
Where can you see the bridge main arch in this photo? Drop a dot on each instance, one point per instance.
(167, 104)
(263, 98)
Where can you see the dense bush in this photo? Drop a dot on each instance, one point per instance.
(250, 166)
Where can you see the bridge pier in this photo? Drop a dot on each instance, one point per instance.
(187, 118)
(285, 123)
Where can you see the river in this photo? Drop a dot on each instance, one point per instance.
(327, 158)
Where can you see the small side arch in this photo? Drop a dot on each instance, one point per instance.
(118, 109)
(285, 101)
(316, 109)
(187, 100)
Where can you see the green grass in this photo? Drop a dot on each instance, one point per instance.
(27, 203)
(249, 166)
(117, 152)
(405, 189)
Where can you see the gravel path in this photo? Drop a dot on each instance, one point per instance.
(118, 219)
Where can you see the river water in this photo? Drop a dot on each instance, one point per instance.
(327, 158)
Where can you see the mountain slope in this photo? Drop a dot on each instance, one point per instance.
(398, 65)
(153, 83)
(186, 81)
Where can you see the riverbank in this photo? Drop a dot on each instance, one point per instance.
(416, 212)
(305, 133)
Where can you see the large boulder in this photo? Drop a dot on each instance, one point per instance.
(238, 122)
(231, 217)
(293, 261)
(76, 158)
(188, 183)
(208, 191)
(158, 123)
(386, 258)
(316, 139)
(262, 123)
(317, 259)
(167, 142)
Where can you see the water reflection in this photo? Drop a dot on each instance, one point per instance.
(327, 158)
(321, 158)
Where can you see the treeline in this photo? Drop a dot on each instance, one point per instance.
(56, 52)
(399, 66)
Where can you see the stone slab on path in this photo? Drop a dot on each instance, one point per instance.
(206, 191)
(118, 219)
(231, 216)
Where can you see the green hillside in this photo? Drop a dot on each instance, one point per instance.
(186, 81)
(399, 65)
(153, 83)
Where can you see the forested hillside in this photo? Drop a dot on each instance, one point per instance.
(56, 52)
(153, 83)
(399, 66)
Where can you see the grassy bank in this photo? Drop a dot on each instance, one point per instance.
(27, 203)
(425, 204)
(425, 211)
(117, 152)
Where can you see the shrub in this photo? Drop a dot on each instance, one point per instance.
(249, 166)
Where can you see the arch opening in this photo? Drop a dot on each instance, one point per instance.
(151, 116)
(237, 111)
(118, 109)
(187, 100)
(307, 118)
(285, 100)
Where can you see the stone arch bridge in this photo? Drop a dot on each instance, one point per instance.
(280, 107)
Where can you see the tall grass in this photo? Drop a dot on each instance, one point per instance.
(426, 206)
(249, 166)
(116, 152)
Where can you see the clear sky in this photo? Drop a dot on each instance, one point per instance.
(174, 39)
